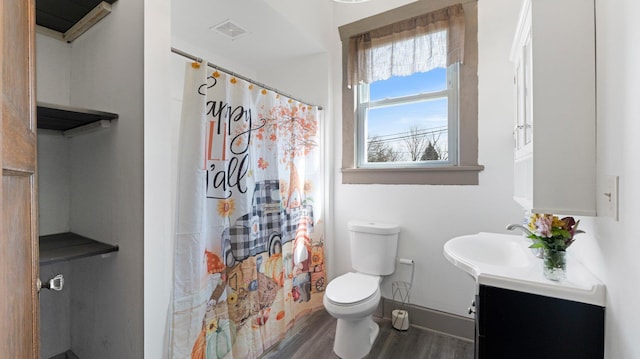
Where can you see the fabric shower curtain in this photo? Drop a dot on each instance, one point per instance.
(249, 257)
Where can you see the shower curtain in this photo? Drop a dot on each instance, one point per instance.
(249, 257)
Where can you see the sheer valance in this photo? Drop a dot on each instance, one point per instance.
(419, 44)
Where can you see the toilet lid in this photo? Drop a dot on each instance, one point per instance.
(351, 288)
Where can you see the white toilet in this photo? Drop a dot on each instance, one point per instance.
(354, 296)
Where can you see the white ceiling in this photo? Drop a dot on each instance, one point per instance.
(272, 38)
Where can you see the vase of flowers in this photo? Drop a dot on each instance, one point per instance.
(553, 235)
(554, 265)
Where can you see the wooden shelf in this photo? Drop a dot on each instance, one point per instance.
(67, 20)
(67, 246)
(64, 118)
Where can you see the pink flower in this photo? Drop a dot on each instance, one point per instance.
(543, 226)
(551, 232)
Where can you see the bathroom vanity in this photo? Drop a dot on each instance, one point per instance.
(521, 314)
(514, 324)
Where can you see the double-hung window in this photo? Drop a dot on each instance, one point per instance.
(410, 96)
(409, 121)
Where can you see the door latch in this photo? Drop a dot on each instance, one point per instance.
(56, 283)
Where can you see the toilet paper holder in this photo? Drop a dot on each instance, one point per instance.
(401, 292)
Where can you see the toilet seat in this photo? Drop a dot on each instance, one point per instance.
(352, 288)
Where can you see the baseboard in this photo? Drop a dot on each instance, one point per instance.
(450, 324)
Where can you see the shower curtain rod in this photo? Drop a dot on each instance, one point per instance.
(200, 60)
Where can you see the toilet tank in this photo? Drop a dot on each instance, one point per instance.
(373, 246)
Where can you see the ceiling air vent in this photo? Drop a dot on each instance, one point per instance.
(230, 29)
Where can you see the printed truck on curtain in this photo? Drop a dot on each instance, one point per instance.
(249, 245)
(267, 227)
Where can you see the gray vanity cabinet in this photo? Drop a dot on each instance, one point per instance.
(512, 324)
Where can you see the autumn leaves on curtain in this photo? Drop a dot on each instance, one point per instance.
(249, 256)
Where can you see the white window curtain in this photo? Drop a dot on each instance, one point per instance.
(419, 44)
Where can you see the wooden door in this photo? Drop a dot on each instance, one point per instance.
(19, 306)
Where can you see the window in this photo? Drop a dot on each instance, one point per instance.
(409, 121)
(418, 126)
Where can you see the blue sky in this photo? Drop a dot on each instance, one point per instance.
(398, 119)
(433, 80)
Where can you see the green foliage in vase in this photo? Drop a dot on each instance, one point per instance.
(554, 259)
(552, 233)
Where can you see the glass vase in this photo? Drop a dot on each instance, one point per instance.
(554, 264)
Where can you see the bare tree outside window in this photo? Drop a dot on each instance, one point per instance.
(380, 151)
(415, 143)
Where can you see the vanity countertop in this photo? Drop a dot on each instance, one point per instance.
(505, 261)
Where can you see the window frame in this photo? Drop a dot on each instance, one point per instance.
(466, 172)
(451, 93)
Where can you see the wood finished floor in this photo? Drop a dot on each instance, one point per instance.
(313, 338)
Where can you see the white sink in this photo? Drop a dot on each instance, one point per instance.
(489, 250)
(505, 261)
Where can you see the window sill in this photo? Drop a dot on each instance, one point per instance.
(454, 175)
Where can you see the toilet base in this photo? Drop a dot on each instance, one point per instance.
(354, 338)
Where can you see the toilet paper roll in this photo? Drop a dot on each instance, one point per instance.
(400, 319)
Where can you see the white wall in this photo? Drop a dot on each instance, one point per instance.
(311, 17)
(158, 204)
(304, 78)
(610, 248)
